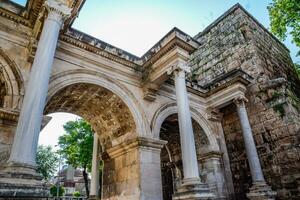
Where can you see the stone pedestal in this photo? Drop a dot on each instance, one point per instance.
(20, 180)
(261, 191)
(211, 166)
(192, 189)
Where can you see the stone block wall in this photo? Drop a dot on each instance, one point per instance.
(121, 180)
(7, 129)
(237, 41)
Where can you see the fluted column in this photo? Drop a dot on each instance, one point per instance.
(259, 190)
(95, 169)
(187, 141)
(26, 137)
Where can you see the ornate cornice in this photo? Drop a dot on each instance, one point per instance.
(175, 38)
(9, 115)
(211, 155)
(95, 47)
(221, 82)
(140, 142)
(14, 17)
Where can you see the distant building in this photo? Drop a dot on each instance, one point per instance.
(71, 179)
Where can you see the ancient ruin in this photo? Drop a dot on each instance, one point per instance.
(214, 116)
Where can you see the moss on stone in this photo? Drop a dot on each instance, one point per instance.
(280, 109)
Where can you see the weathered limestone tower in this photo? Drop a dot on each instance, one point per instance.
(237, 41)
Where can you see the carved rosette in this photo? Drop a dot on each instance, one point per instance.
(240, 101)
(179, 69)
(58, 10)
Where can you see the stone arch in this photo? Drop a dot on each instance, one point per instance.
(11, 83)
(83, 76)
(171, 108)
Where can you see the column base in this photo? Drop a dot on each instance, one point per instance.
(193, 189)
(93, 197)
(261, 191)
(23, 182)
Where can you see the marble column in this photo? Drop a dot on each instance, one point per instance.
(188, 149)
(27, 134)
(95, 169)
(191, 188)
(259, 189)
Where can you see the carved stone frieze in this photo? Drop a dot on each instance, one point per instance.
(107, 113)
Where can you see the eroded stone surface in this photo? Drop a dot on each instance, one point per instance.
(237, 41)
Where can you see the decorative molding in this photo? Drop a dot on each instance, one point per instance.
(93, 49)
(211, 155)
(174, 38)
(14, 17)
(9, 115)
(150, 91)
(214, 114)
(140, 142)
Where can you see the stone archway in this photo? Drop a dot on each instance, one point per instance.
(171, 160)
(114, 124)
(165, 126)
(2, 90)
(170, 108)
(11, 83)
(11, 95)
(63, 79)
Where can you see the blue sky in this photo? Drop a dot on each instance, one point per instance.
(136, 25)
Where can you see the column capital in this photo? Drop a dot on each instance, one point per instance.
(179, 67)
(240, 101)
(59, 7)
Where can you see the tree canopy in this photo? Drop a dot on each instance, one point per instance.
(76, 146)
(46, 160)
(285, 18)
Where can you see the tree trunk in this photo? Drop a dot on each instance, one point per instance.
(86, 182)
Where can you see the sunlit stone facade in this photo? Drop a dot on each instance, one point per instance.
(215, 116)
